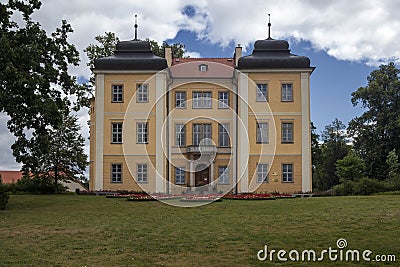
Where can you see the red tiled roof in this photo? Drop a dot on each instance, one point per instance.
(10, 177)
(227, 61)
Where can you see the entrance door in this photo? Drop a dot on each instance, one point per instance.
(202, 177)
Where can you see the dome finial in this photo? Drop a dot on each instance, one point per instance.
(136, 26)
(269, 27)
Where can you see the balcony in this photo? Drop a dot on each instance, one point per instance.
(201, 149)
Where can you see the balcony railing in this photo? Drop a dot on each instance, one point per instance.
(202, 149)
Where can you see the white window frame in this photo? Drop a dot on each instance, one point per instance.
(180, 134)
(204, 131)
(142, 93)
(202, 99)
(262, 92)
(142, 134)
(223, 135)
(180, 99)
(117, 93)
(180, 175)
(141, 173)
(287, 173)
(116, 132)
(116, 173)
(223, 174)
(262, 173)
(223, 100)
(262, 136)
(287, 92)
(203, 67)
(287, 132)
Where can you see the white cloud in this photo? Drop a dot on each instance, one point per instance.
(192, 54)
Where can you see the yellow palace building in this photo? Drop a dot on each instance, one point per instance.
(208, 125)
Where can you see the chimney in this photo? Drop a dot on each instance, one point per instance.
(168, 56)
(238, 54)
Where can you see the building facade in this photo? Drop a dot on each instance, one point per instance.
(216, 125)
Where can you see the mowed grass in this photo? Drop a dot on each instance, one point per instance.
(70, 230)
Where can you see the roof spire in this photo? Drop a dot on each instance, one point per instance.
(269, 27)
(136, 26)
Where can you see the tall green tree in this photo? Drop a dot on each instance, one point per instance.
(67, 159)
(34, 80)
(376, 132)
(332, 149)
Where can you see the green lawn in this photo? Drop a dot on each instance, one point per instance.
(70, 230)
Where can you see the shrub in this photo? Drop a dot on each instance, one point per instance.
(344, 189)
(368, 186)
(363, 186)
(3, 196)
(37, 184)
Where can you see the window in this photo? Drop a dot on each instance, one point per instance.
(223, 99)
(180, 133)
(180, 99)
(223, 135)
(200, 132)
(116, 173)
(287, 92)
(116, 133)
(141, 173)
(287, 132)
(262, 173)
(203, 67)
(287, 172)
(179, 175)
(202, 100)
(223, 175)
(141, 133)
(142, 93)
(117, 93)
(262, 133)
(262, 92)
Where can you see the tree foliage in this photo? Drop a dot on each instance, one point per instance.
(67, 158)
(35, 86)
(351, 167)
(332, 149)
(376, 132)
(3, 196)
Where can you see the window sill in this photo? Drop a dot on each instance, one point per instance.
(142, 182)
(288, 143)
(287, 182)
(116, 143)
(116, 182)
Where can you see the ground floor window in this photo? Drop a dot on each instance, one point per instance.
(179, 175)
(142, 173)
(116, 173)
(223, 175)
(287, 172)
(262, 173)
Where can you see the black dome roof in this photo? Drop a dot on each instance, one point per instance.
(131, 55)
(270, 53)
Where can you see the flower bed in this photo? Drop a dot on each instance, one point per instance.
(140, 197)
(251, 197)
(201, 198)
